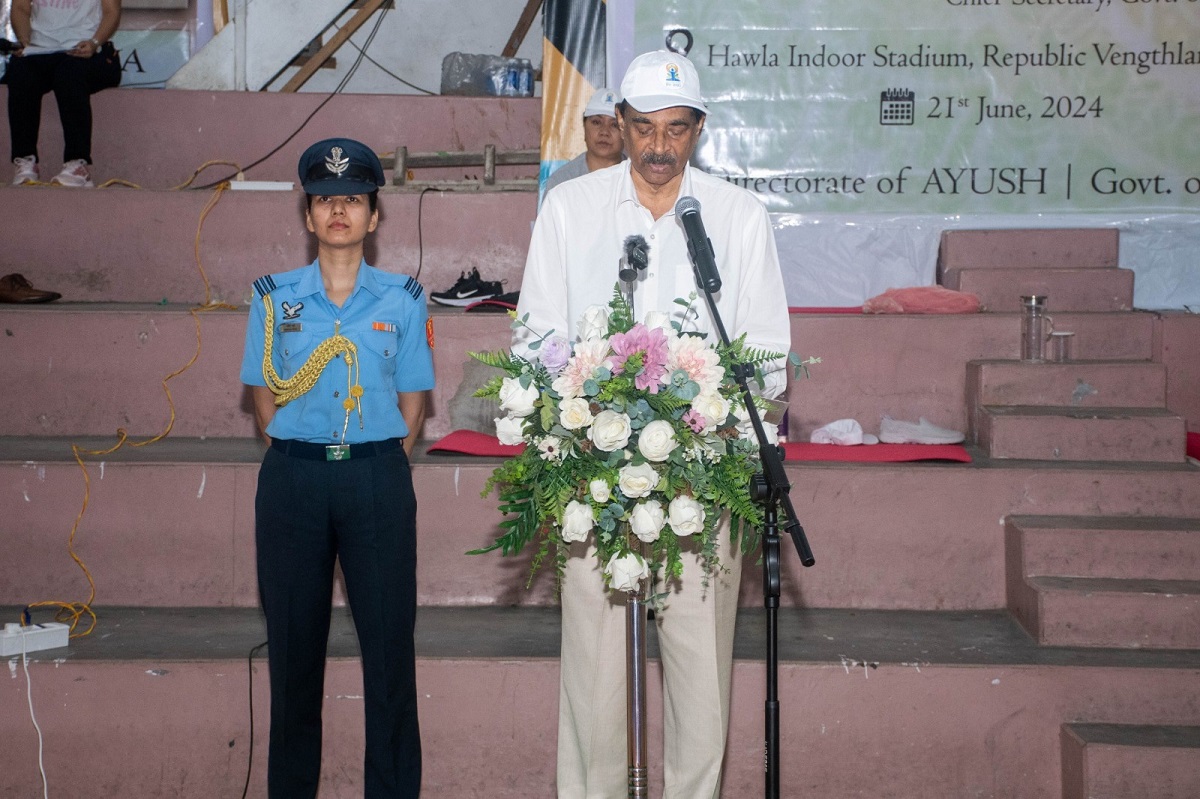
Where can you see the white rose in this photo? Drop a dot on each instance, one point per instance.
(660, 320)
(594, 323)
(647, 520)
(713, 407)
(574, 413)
(657, 440)
(510, 430)
(610, 431)
(746, 429)
(516, 400)
(638, 481)
(625, 572)
(578, 521)
(600, 491)
(686, 515)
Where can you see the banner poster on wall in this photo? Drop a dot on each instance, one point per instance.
(946, 105)
(573, 67)
(901, 118)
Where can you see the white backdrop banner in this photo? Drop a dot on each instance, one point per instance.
(946, 106)
(869, 126)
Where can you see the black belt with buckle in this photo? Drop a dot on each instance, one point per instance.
(334, 452)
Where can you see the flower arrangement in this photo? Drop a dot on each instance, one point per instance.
(636, 436)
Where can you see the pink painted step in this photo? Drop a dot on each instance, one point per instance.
(1081, 434)
(1124, 547)
(1035, 248)
(1110, 384)
(198, 126)
(980, 728)
(1130, 761)
(1104, 612)
(185, 506)
(246, 235)
(1001, 289)
(904, 366)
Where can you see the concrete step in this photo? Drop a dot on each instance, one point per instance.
(1104, 612)
(989, 705)
(434, 236)
(89, 368)
(889, 536)
(1109, 384)
(246, 127)
(1081, 434)
(1001, 289)
(1029, 248)
(1130, 761)
(1117, 547)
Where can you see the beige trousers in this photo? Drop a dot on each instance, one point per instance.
(695, 634)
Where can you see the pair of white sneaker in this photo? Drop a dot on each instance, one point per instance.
(75, 174)
(848, 432)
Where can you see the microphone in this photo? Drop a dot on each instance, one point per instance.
(699, 246)
(635, 259)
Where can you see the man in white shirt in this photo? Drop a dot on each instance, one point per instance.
(601, 138)
(572, 264)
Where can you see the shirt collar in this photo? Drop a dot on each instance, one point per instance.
(627, 193)
(310, 283)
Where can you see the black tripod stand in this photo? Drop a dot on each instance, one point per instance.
(770, 489)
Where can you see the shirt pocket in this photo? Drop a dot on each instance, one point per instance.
(380, 347)
(293, 348)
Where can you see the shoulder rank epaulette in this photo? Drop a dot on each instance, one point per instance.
(414, 288)
(264, 285)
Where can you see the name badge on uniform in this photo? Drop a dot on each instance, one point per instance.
(291, 327)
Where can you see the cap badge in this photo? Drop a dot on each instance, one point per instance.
(335, 163)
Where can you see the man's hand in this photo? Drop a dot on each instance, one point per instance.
(85, 49)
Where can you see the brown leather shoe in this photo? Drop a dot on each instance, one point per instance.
(15, 288)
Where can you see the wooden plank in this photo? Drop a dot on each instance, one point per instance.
(330, 47)
(523, 25)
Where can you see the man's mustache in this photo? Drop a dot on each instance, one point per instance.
(659, 159)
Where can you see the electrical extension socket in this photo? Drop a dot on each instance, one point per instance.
(14, 638)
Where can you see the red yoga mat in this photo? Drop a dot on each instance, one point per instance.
(470, 442)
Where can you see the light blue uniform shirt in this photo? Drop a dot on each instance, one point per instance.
(385, 316)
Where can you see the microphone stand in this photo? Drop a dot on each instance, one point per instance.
(770, 488)
(635, 641)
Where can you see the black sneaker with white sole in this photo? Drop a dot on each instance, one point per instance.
(469, 289)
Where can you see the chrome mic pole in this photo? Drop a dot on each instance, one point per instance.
(635, 691)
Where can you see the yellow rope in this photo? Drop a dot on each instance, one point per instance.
(73, 612)
(286, 390)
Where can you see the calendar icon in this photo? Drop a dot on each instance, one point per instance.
(897, 107)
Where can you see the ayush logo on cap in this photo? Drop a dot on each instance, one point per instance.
(672, 73)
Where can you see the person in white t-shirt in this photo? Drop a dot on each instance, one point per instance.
(601, 138)
(61, 45)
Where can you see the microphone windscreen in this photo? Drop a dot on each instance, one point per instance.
(686, 204)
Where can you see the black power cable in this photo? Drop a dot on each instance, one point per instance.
(250, 681)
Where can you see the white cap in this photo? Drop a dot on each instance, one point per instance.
(662, 79)
(601, 104)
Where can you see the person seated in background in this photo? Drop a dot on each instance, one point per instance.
(600, 136)
(60, 43)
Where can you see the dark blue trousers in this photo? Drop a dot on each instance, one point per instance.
(362, 512)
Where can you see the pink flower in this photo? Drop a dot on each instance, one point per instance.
(698, 360)
(651, 343)
(695, 420)
(589, 355)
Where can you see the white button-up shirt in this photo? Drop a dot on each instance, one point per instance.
(578, 241)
